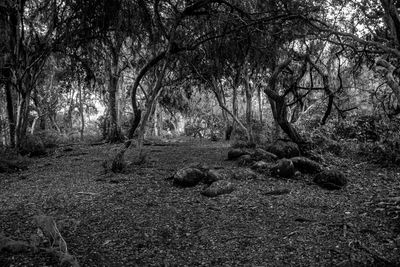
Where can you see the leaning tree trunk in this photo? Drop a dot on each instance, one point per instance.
(150, 105)
(282, 118)
(279, 106)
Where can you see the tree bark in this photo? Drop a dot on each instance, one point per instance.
(82, 130)
(249, 98)
(260, 113)
(150, 104)
(10, 112)
(133, 92)
(390, 79)
(278, 104)
(114, 132)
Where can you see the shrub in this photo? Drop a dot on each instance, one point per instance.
(50, 138)
(33, 146)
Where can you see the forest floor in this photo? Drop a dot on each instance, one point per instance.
(139, 218)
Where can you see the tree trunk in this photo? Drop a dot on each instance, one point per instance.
(137, 112)
(114, 134)
(82, 130)
(22, 119)
(150, 104)
(260, 104)
(283, 122)
(249, 111)
(278, 104)
(10, 112)
(218, 95)
(249, 98)
(277, 128)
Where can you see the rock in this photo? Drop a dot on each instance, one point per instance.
(260, 165)
(67, 260)
(188, 177)
(245, 160)
(261, 154)
(213, 176)
(306, 165)
(283, 168)
(7, 244)
(10, 166)
(200, 166)
(236, 153)
(331, 179)
(284, 149)
(218, 188)
(17, 246)
(244, 174)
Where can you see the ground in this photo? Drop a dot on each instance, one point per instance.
(139, 218)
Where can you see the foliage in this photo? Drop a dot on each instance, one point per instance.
(33, 146)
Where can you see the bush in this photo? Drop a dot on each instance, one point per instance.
(50, 138)
(33, 146)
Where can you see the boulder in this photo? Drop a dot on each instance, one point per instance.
(331, 179)
(260, 165)
(283, 168)
(10, 166)
(306, 165)
(218, 188)
(200, 166)
(212, 176)
(236, 153)
(244, 174)
(13, 246)
(261, 154)
(245, 160)
(284, 149)
(188, 176)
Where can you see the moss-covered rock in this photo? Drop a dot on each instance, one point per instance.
(283, 168)
(331, 179)
(284, 149)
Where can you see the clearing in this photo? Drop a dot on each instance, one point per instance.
(139, 218)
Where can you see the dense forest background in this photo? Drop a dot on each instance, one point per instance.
(74, 70)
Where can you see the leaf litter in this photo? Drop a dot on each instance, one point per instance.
(139, 218)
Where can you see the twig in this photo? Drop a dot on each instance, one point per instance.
(200, 229)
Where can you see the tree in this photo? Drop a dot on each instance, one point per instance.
(36, 29)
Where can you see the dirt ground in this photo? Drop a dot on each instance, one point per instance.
(139, 218)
